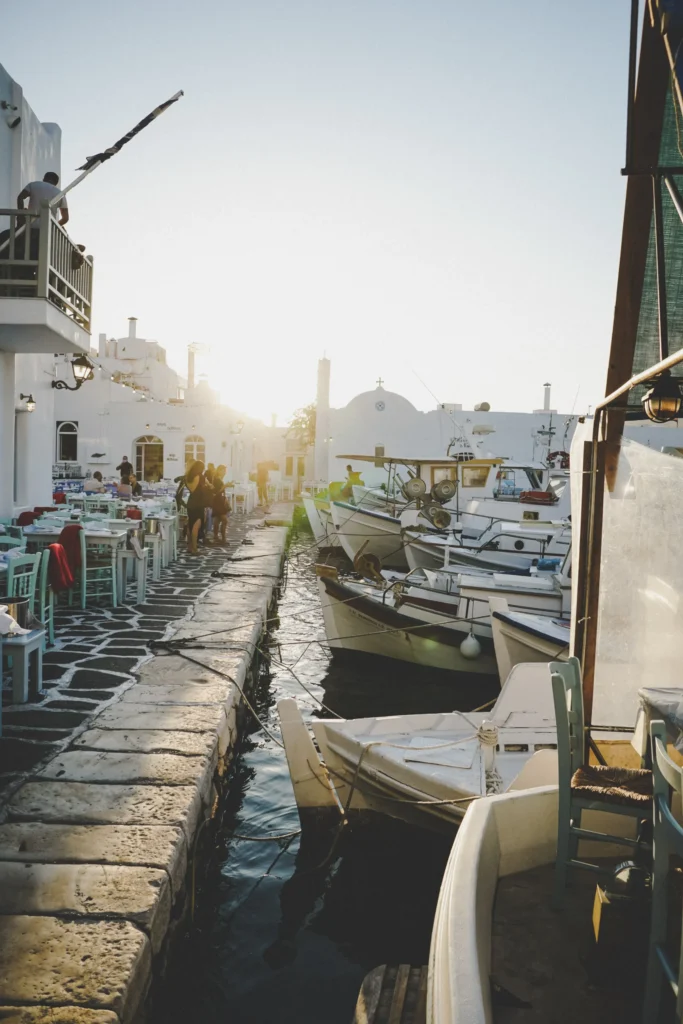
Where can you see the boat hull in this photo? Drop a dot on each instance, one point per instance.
(357, 623)
(369, 532)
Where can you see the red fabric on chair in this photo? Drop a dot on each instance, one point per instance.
(42, 509)
(133, 513)
(70, 540)
(27, 518)
(59, 498)
(59, 570)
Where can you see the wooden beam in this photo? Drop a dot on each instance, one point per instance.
(648, 116)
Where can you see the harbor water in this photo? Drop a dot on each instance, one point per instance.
(285, 930)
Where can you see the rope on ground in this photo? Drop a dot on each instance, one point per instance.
(226, 675)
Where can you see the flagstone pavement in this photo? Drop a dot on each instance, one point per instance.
(98, 650)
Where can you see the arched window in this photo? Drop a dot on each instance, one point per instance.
(67, 441)
(195, 449)
(149, 459)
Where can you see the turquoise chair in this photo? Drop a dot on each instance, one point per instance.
(22, 576)
(98, 572)
(46, 598)
(11, 542)
(587, 787)
(668, 841)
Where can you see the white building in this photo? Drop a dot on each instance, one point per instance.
(44, 304)
(138, 406)
(382, 422)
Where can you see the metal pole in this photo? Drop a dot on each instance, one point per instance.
(661, 268)
(113, 150)
(676, 197)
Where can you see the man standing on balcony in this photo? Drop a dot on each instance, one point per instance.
(39, 192)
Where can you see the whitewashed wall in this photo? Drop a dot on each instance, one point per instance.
(385, 418)
(26, 153)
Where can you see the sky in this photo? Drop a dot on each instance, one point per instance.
(426, 191)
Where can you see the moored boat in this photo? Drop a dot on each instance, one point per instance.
(425, 769)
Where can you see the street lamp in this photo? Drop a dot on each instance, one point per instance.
(83, 370)
(663, 401)
(30, 402)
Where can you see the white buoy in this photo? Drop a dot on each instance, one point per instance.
(470, 648)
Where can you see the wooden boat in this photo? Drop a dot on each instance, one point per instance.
(365, 618)
(502, 546)
(425, 769)
(524, 637)
(369, 531)
(318, 514)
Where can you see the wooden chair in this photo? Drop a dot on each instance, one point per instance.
(667, 841)
(97, 572)
(22, 576)
(7, 542)
(46, 598)
(587, 787)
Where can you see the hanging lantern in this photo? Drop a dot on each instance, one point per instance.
(663, 401)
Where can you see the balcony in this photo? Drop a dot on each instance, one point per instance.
(45, 286)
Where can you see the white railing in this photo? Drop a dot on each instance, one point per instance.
(39, 260)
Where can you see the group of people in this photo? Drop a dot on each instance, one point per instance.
(207, 504)
(128, 486)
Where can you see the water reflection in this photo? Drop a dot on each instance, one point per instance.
(282, 931)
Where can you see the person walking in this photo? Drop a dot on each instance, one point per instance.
(125, 468)
(221, 507)
(194, 481)
(262, 482)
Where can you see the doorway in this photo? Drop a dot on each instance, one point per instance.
(149, 459)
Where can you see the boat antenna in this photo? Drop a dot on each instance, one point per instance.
(461, 436)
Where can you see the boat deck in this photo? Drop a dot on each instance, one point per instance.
(543, 956)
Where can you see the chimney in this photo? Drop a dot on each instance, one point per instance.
(132, 326)
(102, 346)
(546, 398)
(273, 419)
(190, 366)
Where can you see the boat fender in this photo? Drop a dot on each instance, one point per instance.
(470, 648)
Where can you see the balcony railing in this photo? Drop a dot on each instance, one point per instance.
(38, 260)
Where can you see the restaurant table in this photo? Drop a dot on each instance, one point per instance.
(663, 703)
(93, 538)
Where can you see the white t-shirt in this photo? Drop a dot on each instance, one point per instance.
(40, 192)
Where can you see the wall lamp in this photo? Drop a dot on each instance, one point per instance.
(83, 370)
(30, 402)
(663, 401)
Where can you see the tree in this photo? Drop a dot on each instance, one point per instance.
(303, 425)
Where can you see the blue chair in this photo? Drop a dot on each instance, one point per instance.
(668, 841)
(22, 577)
(46, 598)
(587, 787)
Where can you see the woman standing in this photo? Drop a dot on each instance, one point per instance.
(194, 481)
(221, 506)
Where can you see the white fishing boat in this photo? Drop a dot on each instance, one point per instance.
(377, 498)
(501, 546)
(525, 637)
(370, 620)
(425, 769)
(368, 531)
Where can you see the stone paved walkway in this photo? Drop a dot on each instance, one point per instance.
(105, 782)
(99, 650)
